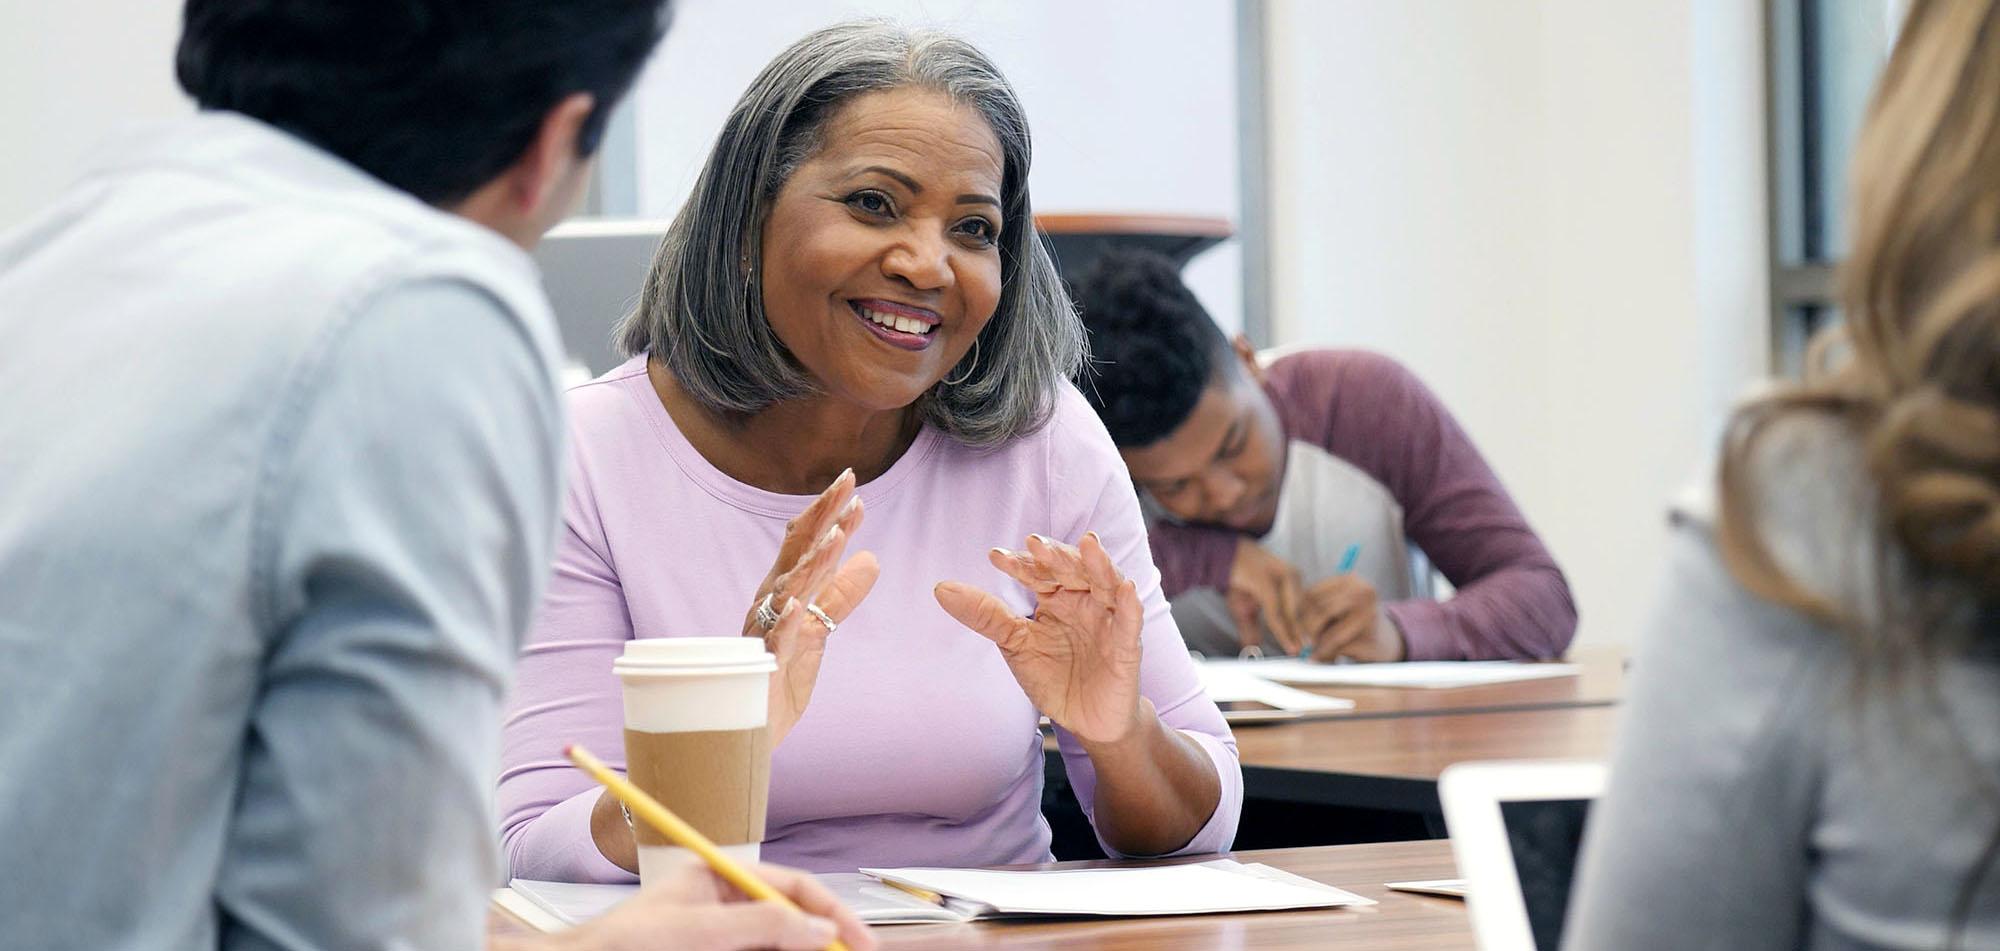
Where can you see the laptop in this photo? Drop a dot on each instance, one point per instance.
(1516, 830)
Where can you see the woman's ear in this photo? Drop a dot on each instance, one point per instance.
(1248, 354)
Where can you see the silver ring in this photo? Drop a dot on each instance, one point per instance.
(815, 611)
(1253, 652)
(766, 618)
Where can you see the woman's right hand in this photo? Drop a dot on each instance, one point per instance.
(809, 571)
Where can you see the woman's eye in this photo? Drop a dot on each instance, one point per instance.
(979, 229)
(870, 203)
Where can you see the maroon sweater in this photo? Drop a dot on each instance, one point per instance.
(1512, 600)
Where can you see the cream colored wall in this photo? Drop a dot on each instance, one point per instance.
(1553, 211)
(70, 73)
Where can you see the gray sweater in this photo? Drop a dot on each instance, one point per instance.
(278, 473)
(1757, 799)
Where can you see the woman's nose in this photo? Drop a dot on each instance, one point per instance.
(924, 262)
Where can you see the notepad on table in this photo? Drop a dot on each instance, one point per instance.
(552, 906)
(1246, 698)
(1441, 887)
(1427, 674)
(1205, 888)
(969, 894)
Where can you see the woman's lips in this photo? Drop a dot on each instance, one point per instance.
(899, 325)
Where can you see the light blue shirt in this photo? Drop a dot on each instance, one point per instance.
(278, 465)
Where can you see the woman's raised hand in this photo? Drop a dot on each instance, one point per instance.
(1077, 658)
(809, 590)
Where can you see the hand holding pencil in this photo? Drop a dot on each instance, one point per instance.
(1342, 617)
(725, 907)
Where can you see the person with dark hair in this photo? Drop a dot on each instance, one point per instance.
(282, 450)
(1809, 754)
(1285, 497)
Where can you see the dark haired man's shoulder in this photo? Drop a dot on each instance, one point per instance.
(1309, 372)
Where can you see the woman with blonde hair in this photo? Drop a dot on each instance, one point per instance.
(1811, 755)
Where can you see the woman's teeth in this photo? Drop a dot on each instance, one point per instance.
(908, 325)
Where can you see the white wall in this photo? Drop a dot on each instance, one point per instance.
(1553, 211)
(1132, 103)
(70, 73)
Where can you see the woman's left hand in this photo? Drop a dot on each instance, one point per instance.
(1077, 658)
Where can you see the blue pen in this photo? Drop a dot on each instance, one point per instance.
(1347, 559)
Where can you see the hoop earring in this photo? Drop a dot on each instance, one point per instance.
(967, 375)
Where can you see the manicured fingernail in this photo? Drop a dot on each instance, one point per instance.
(1040, 538)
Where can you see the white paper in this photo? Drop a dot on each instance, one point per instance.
(1428, 674)
(873, 902)
(570, 902)
(1169, 890)
(1224, 685)
(1445, 887)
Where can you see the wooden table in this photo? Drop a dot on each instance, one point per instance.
(1387, 752)
(1401, 922)
(1599, 683)
(1394, 762)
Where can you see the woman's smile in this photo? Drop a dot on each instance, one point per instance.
(905, 326)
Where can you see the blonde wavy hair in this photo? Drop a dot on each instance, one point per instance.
(1920, 385)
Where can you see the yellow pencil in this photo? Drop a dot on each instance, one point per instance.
(680, 833)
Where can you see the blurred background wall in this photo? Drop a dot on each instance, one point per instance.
(1555, 211)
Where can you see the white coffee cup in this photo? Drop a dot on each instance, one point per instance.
(697, 739)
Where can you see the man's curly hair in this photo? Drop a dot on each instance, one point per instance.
(1153, 348)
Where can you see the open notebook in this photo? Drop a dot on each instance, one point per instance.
(1431, 674)
(1245, 698)
(969, 894)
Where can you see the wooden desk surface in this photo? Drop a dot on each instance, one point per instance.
(1400, 923)
(1394, 762)
(1600, 682)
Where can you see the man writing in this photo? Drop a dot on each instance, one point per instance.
(1285, 496)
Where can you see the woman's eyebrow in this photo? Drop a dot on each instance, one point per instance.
(902, 179)
(976, 198)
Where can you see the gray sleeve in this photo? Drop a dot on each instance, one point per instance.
(405, 518)
(1702, 838)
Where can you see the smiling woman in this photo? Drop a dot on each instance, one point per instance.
(853, 315)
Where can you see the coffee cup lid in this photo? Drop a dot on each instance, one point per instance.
(694, 655)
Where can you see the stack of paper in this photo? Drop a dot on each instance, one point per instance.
(968, 894)
(551, 906)
(1206, 888)
(1246, 698)
(1432, 674)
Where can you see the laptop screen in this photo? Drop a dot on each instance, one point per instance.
(1545, 836)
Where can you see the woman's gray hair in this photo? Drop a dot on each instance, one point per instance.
(702, 315)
